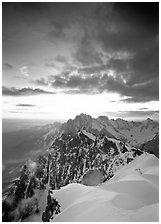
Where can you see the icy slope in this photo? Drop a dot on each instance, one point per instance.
(131, 195)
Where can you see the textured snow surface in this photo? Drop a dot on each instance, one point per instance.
(131, 195)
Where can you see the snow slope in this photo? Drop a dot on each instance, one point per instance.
(131, 195)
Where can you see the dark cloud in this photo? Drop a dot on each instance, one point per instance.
(134, 32)
(145, 65)
(25, 105)
(12, 91)
(147, 91)
(122, 37)
(141, 92)
(40, 82)
(130, 29)
(93, 69)
(50, 65)
(119, 66)
(7, 66)
(27, 11)
(86, 54)
(139, 99)
(57, 31)
(68, 20)
(76, 84)
(147, 13)
(61, 59)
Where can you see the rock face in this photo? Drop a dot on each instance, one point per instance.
(93, 177)
(152, 146)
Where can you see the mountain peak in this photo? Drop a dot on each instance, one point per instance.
(83, 116)
(103, 118)
(80, 121)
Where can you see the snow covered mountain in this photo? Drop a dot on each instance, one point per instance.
(88, 155)
(82, 151)
(73, 158)
(134, 133)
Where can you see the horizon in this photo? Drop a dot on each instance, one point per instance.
(65, 120)
(64, 59)
(17, 124)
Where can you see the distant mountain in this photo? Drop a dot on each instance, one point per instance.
(135, 133)
(18, 146)
(31, 139)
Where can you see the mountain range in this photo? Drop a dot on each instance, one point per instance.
(134, 133)
(87, 151)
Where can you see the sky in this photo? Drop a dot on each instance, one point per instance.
(63, 59)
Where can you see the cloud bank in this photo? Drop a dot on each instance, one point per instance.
(12, 91)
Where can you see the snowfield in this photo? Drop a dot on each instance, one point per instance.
(132, 195)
